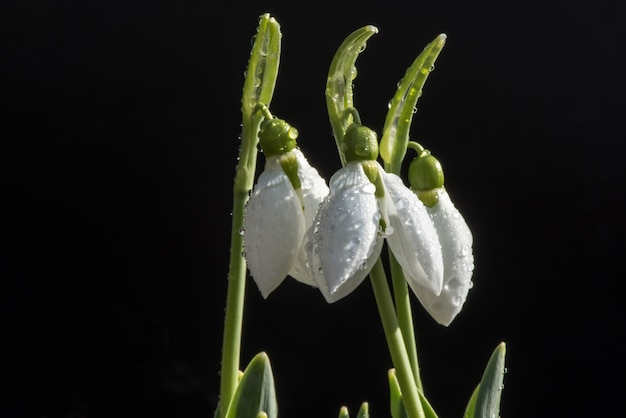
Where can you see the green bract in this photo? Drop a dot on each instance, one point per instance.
(395, 137)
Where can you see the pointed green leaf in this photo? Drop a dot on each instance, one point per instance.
(255, 393)
(339, 83)
(395, 137)
(395, 397)
(429, 412)
(364, 411)
(343, 412)
(396, 404)
(490, 389)
(471, 404)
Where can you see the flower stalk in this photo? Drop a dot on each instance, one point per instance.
(258, 89)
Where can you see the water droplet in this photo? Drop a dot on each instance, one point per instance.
(353, 72)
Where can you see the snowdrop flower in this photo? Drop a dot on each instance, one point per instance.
(455, 237)
(365, 206)
(281, 209)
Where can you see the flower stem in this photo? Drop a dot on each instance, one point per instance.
(258, 89)
(402, 299)
(234, 308)
(395, 341)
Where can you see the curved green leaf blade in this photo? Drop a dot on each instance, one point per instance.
(364, 411)
(490, 389)
(429, 412)
(471, 404)
(395, 400)
(343, 412)
(339, 83)
(395, 397)
(398, 120)
(255, 393)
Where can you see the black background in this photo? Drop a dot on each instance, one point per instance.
(119, 141)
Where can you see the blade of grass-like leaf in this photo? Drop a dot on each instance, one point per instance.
(471, 404)
(398, 120)
(343, 412)
(255, 393)
(429, 412)
(490, 389)
(364, 411)
(339, 83)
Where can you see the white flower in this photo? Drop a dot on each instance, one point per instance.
(351, 223)
(456, 244)
(276, 219)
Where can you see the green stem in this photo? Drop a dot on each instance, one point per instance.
(395, 341)
(258, 89)
(401, 296)
(234, 308)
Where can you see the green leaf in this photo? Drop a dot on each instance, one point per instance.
(471, 404)
(396, 404)
(255, 393)
(490, 389)
(429, 412)
(395, 397)
(343, 412)
(364, 411)
(395, 137)
(339, 83)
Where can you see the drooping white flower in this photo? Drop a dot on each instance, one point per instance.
(365, 206)
(427, 179)
(458, 260)
(277, 217)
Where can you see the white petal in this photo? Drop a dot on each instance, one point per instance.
(313, 192)
(273, 228)
(456, 244)
(414, 240)
(346, 242)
